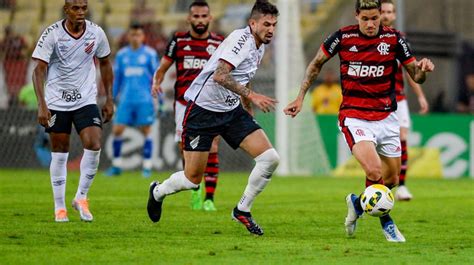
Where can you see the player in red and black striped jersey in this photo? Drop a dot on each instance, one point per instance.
(190, 51)
(403, 113)
(368, 53)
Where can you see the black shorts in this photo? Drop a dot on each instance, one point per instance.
(61, 121)
(201, 126)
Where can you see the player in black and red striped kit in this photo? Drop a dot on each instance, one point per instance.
(368, 53)
(190, 51)
(388, 19)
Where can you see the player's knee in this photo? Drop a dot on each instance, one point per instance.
(374, 172)
(268, 161)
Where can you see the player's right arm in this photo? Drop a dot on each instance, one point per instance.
(39, 79)
(159, 75)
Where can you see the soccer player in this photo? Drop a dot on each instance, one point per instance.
(403, 113)
(65, 84)
(368, 53)
(215, 108)
(133, 73)
(190, 51)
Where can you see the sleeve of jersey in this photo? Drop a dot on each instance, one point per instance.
(170, 53)
(103, 48)
(404, 53)
(236, 49)
(332, 44)
(45, 46)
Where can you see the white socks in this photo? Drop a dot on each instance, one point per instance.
(177, 182)
(89, 164)
(58, 172)
(265, 165)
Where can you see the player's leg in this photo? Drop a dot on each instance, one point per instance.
(123, 117)
(89, 127)
(403, 113)
(116, 168)
(144, 118)
(211, 175)
(59, 132)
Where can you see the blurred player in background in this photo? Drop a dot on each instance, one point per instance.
(388, 19)
(190, 51)
(215, 108)
(368, 53)
(133, 73)
(65, 83)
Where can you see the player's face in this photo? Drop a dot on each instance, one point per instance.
(199, 18)
(136, 37)
(388, 14)
(369, 21)
(76, 10)
(264, 27)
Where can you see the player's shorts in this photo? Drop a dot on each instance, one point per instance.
(385, 134)
(179, 111)
(201, 126)
(62, 121)
(135, 113)
(403, 114)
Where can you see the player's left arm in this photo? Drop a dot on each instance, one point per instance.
(107, 79)
(418, 69)
(424, 106)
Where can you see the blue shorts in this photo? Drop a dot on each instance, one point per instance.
(135, 114)
(201, 126)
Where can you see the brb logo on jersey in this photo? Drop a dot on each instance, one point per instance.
(365, 70)
(383, 48)
(193, 63)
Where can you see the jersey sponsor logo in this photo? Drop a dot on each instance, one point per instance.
(365, 70)
(350, 35)
(211, 49)
(171, 48)
(231, 101)
(52, 121)
(333, 45)
(383, 48)
(194, 63)
(89, 47)
(241, 42)
(406, 51)
(187, 48)
(63, 48)
(134, 71)
(387, 35)
(353, 49)
(46, 33)
(195, 142)
(71, 95)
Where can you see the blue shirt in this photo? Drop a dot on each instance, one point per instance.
(133, 74)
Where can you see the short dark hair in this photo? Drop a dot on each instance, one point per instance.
(263, 7)
(367, 5)
(201, 3)
(135, 26)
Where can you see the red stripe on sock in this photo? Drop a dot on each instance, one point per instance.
(369, 182)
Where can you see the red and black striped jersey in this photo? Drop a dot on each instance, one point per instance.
(368, 68)
(399, 84)
(190, 55)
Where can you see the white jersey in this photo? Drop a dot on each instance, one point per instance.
(71, 78)
(238, 49)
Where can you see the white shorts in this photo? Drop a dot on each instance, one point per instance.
(385, 134)
(403, 114)
(179, 111)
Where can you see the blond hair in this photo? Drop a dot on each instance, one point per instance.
(367, 5)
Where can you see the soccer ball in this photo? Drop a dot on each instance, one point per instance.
(377, 200)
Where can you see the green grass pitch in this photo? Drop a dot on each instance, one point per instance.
(302, 219)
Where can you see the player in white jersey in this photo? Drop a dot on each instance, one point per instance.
(214, 109)
(65, 84)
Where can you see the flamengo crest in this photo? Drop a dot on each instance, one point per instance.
(383, 48)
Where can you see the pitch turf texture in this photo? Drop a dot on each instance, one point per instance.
(302, 219)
